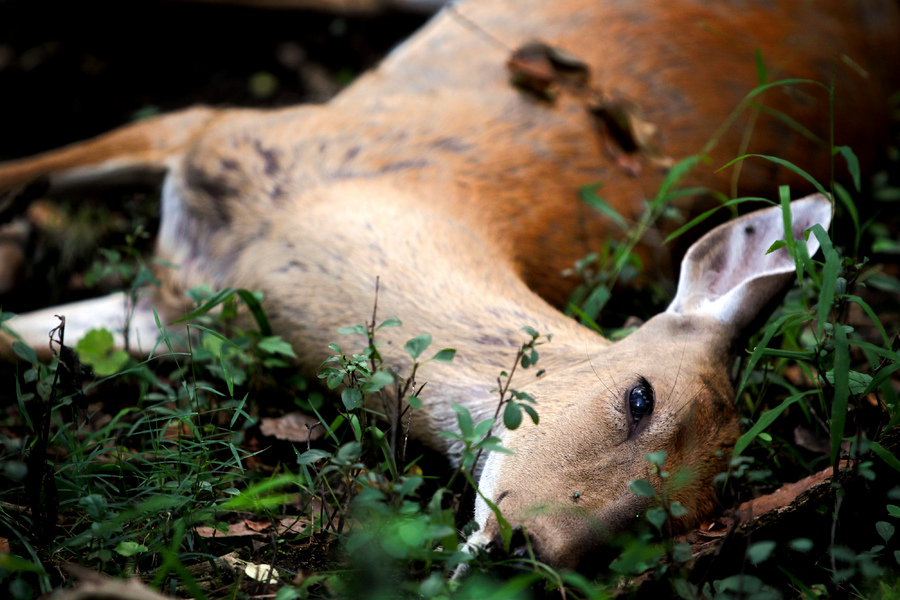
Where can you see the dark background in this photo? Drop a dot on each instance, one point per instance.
(73, 69)
(70, 70)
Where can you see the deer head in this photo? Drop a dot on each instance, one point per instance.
(667, 386)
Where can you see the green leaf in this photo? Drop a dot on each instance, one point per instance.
(353, 329)
(760, 349)
(841, 391)
(681, 553)
(130, 548)
(657, 516)
(784, 163)
(512, 416)
(16, 564)
(355, 426)
(766, 419)
(678, 509)
(414, 401)
(351, 397)
(893, 510)
(349, 452)
(784, 195)
(492, 444)
(858, 382)
(885, 455)
(214, 301)
(852, 165)
(464, 418)
(762, 74)
(311, 456)
(596, 301)
(656, 458)
(97, 349)
(378, 380)
(445, 355)
(417, 345)
(885, 530)
(94, 505)
(776, 245)
(882, 352)
(333, 377)
(802, 544)
(482, 428)
(518, 395)
(642, 487)
(25, 352)
(879, 378)
(589, 195)
(872, 316)
(392, 322)
(678, 171)
(252, 300)
(703, 217)
(430, 587)
(531, 413)
(760, 551)
(829, 276)
(531, 331)
(275, 345)
(216, 335)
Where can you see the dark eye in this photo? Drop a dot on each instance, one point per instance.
(640, 400)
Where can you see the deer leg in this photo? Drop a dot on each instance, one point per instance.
(116, 313)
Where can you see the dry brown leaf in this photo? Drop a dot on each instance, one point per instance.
(292, 427)
(256, 528)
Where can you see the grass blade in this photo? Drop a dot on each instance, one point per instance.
(766, 419)
(841, 391)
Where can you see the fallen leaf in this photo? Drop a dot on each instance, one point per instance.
(292, 427)
(255, 528)
(264, 573)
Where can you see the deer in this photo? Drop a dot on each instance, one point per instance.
(459, 190)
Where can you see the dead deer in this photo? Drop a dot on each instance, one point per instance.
(460, 191)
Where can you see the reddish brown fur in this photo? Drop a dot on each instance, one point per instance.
(428, 117)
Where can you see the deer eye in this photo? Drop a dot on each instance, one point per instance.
(640, 400)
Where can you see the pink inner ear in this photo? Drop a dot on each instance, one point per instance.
(728, 270)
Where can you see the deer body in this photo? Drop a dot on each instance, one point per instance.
(461, 193)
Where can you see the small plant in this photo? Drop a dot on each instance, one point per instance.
(129, 493)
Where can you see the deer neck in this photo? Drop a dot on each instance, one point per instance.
(426, 263)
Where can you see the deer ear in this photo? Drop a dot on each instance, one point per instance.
(727, 273)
